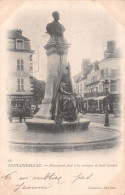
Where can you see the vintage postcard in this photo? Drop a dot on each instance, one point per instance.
(62, 97)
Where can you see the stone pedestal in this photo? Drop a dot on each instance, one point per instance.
(56, 50)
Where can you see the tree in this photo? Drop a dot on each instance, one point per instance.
(39, 91)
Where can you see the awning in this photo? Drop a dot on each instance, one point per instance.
(99, 98)
(91, 98)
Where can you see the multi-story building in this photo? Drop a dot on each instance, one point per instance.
(20, 68)
(108, 69)
(81, 78)
(92, 87)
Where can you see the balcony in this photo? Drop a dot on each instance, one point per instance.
(94, 94)
(91, 94)
(92, 83)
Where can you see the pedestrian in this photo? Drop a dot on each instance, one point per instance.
(24, 112)
(20, 115)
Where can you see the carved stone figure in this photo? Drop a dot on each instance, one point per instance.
(55, 29)
(64, 102)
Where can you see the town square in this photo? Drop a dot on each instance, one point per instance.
(76, 109)
(62, 97)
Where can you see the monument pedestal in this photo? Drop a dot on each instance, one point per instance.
(56, 50)
(46, 125)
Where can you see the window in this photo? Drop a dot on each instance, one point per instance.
(94, 78)
(78, 88)
(113, 85)
(102, 73)
(106, 72)
(81, 88)
(31, 68)
(20, 84)
(19, 44)
(20, 66)
(31, 57)
(101, 88)
(114, 72)
(84, 87)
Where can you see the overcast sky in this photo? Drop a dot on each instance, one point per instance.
(88, 28)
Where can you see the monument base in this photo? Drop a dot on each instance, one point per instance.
(50, 125)
(98, 137)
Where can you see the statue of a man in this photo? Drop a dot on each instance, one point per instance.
(55, 29)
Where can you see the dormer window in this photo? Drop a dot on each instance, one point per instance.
(19, 44)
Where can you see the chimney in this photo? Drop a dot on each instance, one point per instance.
(84, 66)
(111, 46)
(18, 31)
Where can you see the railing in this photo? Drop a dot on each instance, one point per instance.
(92, 83)
(91, 94)
(94, 94)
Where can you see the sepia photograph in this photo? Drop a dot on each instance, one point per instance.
(63, 98)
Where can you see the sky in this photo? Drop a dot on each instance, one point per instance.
(88, 28)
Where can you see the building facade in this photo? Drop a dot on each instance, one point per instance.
(80, 79)
(20, 69)
(94, 92)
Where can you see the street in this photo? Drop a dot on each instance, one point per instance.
(93, 117)
(98, 135)
(100, 118)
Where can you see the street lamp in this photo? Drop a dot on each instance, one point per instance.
(106, 87)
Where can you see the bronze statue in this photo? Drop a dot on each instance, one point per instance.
(64, 101)
(55, 29)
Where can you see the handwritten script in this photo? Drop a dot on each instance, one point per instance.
(43, 181)
(81, 177)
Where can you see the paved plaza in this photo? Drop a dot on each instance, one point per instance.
(96, 137)
(100, 118)
(96, 118)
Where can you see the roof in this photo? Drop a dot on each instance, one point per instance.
(80, 79)
(115, 54)
(13, 34)
(92, 83)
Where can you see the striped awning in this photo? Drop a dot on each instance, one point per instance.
(99, 98)
(90, 98)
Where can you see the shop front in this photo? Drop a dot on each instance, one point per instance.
(100, 104)
(19, 105)
(20, 100)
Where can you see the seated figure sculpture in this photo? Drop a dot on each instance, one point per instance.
(64, 102)
(67, 102)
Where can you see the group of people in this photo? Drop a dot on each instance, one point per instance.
(21, 112)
